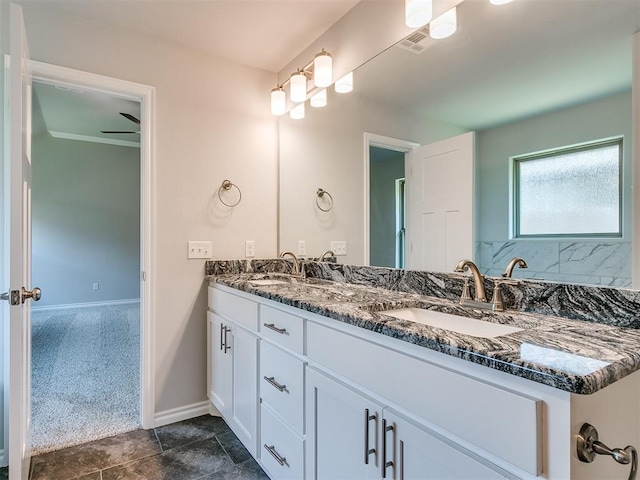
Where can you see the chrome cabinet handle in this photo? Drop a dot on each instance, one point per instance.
(271, 381)
(221, 336)
(367, 451)
(226, 339)
(279, 458)
(272, 326)
(385, 464)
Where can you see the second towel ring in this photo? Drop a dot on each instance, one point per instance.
(321, 193)
(227, 185)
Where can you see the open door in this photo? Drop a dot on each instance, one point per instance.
(18, 247)
(440, 204)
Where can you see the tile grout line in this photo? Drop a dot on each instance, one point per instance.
(155, 433)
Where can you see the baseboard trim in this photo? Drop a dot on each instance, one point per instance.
(107, 303)
(181, 413)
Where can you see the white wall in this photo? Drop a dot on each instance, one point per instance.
(326, 150)
(212, 122)
(86, 221)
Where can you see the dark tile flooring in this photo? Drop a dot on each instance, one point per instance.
(201, 448)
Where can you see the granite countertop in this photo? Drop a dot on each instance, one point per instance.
(572, 355)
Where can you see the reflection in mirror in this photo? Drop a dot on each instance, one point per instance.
(527, 77)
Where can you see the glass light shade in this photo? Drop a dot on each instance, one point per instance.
(297, 112)
(417, 12)
(298, 87)
(499, 2)
(345, 84)
(278, 101)
(445, 25)
(319, 99)
(322, 69)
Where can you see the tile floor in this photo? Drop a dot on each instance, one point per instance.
(201, 448)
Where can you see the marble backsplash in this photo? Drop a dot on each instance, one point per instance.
(588, 262)
(611, 306)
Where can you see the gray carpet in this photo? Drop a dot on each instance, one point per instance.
(85, 374)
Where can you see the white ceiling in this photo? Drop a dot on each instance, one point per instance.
(266, 34)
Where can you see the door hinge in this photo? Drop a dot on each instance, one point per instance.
(144, 276)
(13, 296)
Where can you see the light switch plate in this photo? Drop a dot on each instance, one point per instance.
(302, 248)
(199, 249)
(339, 247)
(250, 249)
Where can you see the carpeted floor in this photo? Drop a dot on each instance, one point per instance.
(85, 374)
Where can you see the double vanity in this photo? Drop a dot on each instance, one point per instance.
(364, 372)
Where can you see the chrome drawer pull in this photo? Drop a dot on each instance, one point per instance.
(226, 340)
(281, 460)
(275, 384)
(272, 326)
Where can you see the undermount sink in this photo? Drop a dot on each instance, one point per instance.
(267, 281)
(455, 323)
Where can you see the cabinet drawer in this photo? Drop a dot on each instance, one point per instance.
(483, 414)
(242, 311)
(281, 451)
(282, 384)
(282, 328)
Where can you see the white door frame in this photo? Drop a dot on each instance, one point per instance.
(56, 75)
(389, 143)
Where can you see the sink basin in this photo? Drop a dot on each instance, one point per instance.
(267, 281)
(455, 323)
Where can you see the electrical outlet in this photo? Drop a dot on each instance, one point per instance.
(302, 248)
(199, 249)
(96, 286)
(249, 249)
(339, 247)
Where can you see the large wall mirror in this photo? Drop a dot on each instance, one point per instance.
(527, 77)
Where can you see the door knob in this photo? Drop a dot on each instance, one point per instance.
(35, 294)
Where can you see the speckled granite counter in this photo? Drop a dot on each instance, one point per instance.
(572, 355)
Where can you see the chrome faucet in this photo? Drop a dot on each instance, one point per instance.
(478, 281)
(325, 254)
(296, 263)
(511, 265)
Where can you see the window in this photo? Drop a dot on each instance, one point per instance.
(573, 191)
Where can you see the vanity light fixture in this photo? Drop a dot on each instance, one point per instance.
(297, 112)
(322, 69)
(417, 12)
(319, 99)
(278, 101)
(298, 86)
(445, 25)
(499, 2)
(344, 84)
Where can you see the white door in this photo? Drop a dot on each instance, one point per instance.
(440, 204)
(342, 431)
(221, 365)
(419, 455)
(19, 249)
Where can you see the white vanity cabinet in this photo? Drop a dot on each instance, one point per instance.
(318, 399)
(233, 352)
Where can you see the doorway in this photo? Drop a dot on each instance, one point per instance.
(145, 96)
(385, 200)
(86, 257)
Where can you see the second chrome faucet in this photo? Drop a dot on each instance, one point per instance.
(480, 297)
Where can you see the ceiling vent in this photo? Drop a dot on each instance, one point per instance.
(417, 42)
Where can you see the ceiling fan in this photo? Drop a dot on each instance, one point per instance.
(128, 117)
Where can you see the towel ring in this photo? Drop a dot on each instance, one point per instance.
(321, 193)
(227, 185)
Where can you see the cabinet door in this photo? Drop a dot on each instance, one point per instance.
(415, 453)
(244, 411)
(338, 446)
(220, 369)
